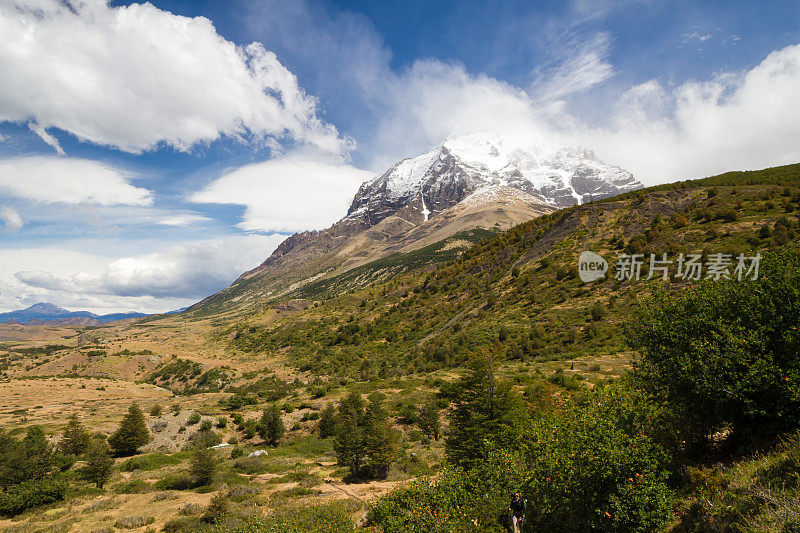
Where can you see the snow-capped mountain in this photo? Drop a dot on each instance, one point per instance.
(439, 179)
(474, 182)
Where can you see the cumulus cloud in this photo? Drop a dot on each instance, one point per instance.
(11, 220)
(136, 77)
(190, 271)
(297, 192)
(744, 120)
(67, 180)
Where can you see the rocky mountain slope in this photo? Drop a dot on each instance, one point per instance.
(474, 182)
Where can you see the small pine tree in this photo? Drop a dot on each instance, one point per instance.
(428, 419)
(380, 441)
(98, 462)
(271, 427)
(203, 466)
(132, 433)
(76, 439)
(349, 446)
(327, 422)
(217, 509)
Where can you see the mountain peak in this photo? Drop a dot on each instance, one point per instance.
(46, 309)
(559, 176)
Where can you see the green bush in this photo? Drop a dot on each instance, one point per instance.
(596, 466)
(150, 461)
(133, 486)
(28, 494)
(723, 355)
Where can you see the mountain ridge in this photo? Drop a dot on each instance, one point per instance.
(419, 200)
(43, 313)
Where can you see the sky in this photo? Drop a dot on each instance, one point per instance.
(150, 153)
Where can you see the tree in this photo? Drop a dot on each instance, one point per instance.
(380, 440)
(98, 462)
(327, 422)
(203, 466)
(723, 355)
(271, 427)
(428, 418)
(76, 439)
(132, 433)
(598, 311)
(486, 411)
(349, 446)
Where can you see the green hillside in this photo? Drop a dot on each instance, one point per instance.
(516, 293)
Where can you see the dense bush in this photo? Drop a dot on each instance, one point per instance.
(723, 354)
(30, 472)
(22, 496)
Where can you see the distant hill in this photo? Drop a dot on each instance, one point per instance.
(48, 314)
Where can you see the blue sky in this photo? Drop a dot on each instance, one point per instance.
(151, 153)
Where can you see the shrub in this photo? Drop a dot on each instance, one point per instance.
(175, 482)
(133, 486)
(133, 522)
(156, 410)
(150, 461)
(194, 418)
(722, 354)
(28, 494)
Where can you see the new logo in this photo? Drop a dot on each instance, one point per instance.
(591, 266)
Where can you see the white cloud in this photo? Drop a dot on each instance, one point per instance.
(583, 66)
(46, 137)
(297, 192)
(185, 272)
(11, 220)
(135, 77)
(183, 219)
(745, 120)
(66, 180)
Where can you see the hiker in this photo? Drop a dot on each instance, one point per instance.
(517, 508)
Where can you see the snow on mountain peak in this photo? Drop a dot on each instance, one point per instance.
(559, 176)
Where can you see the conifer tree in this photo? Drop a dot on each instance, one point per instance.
(428, 419)
(132, 433)
(76, 439)
(486, 410)
(203, 466)
(271, 427)
(349, 446)
(98, 462)
(380, 441)
(327, 422)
